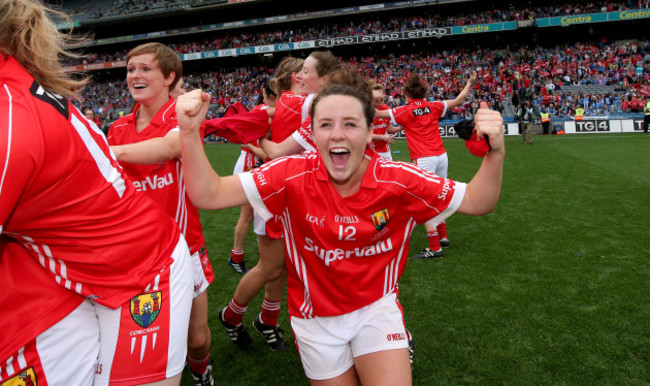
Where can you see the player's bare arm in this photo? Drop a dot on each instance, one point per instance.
(150, 151)
(275, 150)
(206, 188)
(483, 190)
(460, 99)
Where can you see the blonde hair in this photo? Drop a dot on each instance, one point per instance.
(30, 36)
(281, 80)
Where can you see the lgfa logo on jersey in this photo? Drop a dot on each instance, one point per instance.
(145, 308)
(380, 218)
(26, 377)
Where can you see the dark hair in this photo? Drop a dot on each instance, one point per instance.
(414, 87)
(327, 62)
(362, 95)
(268, 90)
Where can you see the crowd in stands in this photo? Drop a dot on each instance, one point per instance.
(364, 26)
(506, 77)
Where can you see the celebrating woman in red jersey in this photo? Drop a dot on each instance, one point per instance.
(147, 146)
(85, 230)
(347, 215)
(419, 119)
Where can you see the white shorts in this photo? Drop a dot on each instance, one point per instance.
(64, 354)
(436, 164)
(328, 345)
(259, 225)
(201, 281)
(240, 164)
(129, 345)
(385, 155)
(146, 339)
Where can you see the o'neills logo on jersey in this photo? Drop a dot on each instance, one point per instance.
(396, 337)
(346, 219)
(380, 218)
(145, 308)
(26, 377)
(155, 182)
(330, 255)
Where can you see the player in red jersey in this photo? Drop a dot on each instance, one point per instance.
(269, 273)
(419, 119)
(347, 215)
(65, 198)
(381, 127)
(146, 144)
(251, 156)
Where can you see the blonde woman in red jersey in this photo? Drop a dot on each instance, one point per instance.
(347, 215)
(84, 229)
(146, 144)
(419, 119)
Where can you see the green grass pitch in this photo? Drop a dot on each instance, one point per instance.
(553, 287)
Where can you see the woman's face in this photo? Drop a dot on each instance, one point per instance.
(179, 89)
(89, 114)
(341, 133)
(145, 79)
(310, 82)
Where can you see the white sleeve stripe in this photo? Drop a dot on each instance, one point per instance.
(392, 118)
(454, 204)
(253, 195)
(10, 128)
(444, 110)
(302, 141)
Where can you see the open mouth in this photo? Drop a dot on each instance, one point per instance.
(339, 157)
(139, 86)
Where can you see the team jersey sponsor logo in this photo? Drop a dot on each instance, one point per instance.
(380, 218)
(395, 337)
(332, 255)
(421, 111)
(445, 190)
(145, 308)
(26, 377)
(155, 182)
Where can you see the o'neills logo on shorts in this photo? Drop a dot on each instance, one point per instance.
(24, 377)
(396, 337)
(145, 308)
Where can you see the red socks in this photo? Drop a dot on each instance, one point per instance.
(434, 241)
(234, 313)
(270, 312)
(237, 256)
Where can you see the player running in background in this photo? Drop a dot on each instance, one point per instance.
(381, 127)
(67, 201)
(344, 268)
(146, 144)
(419, 119)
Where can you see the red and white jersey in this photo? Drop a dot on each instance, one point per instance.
(304, 136)
(45, 303)
(345, 253)
(380, 127)
(290, 112)
(419, 119)
(65, 197)
(162, 182)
